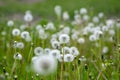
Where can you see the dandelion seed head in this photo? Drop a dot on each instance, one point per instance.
(74, 51)
(28, 17)
(17, 56)
(82, 58)
(45, 65)
(15, 32)
(83, 11)
(55, 53)
(64, 38)
(95, 19)
(58, 10)
(10, 23)
(65, 16)
(68, 57)
(55, 44)
(81, 40)
(20, 45)
(38, 51)
(24, 34)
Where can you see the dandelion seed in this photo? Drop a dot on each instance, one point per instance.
(65, 16)
(68, 57)
(28, 39)
(66, 50)
(110, 23)
(92, 38)
(28, 17)
(55, 53)
(24, 34)
(43, 36)
(74, 51)
(39, 27)
(55, 44)
(50, 26)
(17, 56)
(101, 15)
(58, 10)
(45, 65)
(81, 40)
(15, 77)
(15, 32)
(7, 74)
(83, 11)
(47, 50)
(82, 58)
(23, 27)
(74, 36)
(20, 45)
(85, 17)
(64, 38)
(66, 30)
(38, 51)
(95, 19)
(61, 58)
(10, 23)
(105, 49)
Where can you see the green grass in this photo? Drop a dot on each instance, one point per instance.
(91, 69)
(46, 8)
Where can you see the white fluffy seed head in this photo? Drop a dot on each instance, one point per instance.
(64, 38)
(55, 44)
(44, 65)
(23, 27)
(66, 30)
(15, 32)
(83, 11)
(110, 22)
(105, 49)
(81, 40)
(101, 15)
(24, 34)
(92, 38)
(85, 17)
(65, 50)
(20, 45)
(28, 17)
(55, 53)
(50, 26)
(17, 56)
(28, 39)
(39, 27)
(38, 51)
(10, 23)
(58, 10)
(68, 57)
(47, 50)
(43, 36)
(74, 36)
(104, 28)
(65, 16)
(74, 51)
(82, 58)
(95, 19)
(60, 58)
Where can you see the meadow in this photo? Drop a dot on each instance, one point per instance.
(57, 42)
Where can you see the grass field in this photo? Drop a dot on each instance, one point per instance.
(44, 8)
(48, 43)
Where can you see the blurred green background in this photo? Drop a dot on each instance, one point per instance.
(45, 8)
